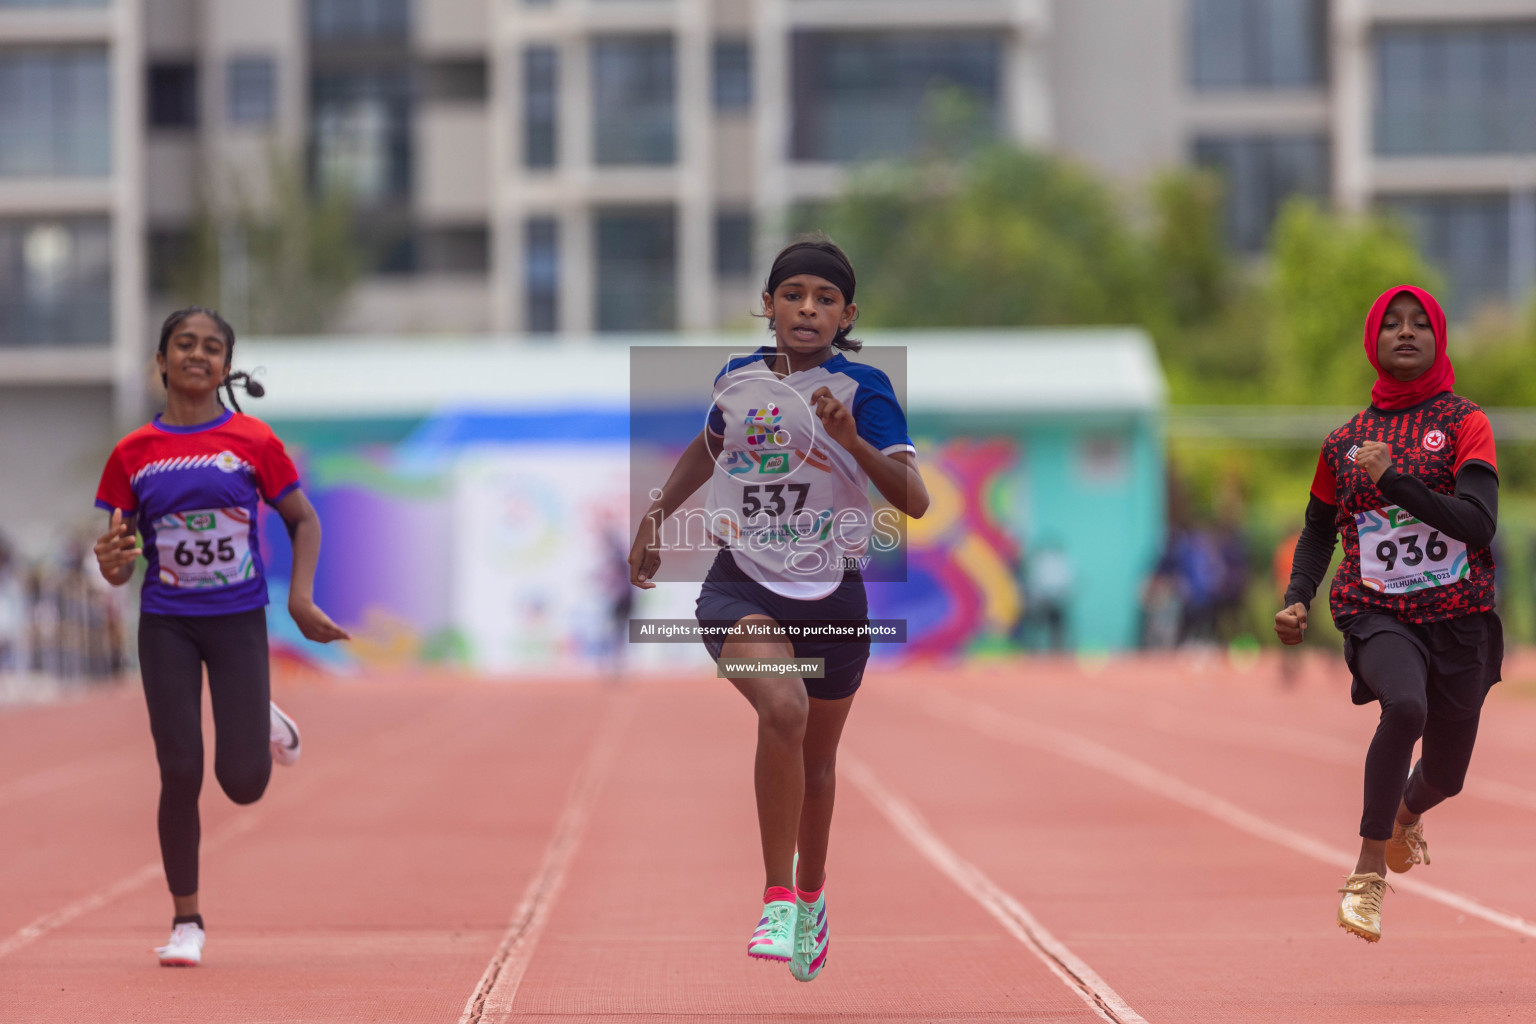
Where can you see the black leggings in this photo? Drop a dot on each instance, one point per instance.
(1395, 671)
(172, 652)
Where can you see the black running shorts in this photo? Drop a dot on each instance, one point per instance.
(730, 595)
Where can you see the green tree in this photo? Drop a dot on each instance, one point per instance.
(1325, 271)
(1190, 257)
(281, 267)
(1009, 238)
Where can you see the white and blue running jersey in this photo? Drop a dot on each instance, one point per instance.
(791, 503)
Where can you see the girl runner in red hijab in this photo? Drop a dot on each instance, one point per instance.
(1411, 484)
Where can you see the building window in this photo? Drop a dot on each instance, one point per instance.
(55, 281)
(541, 274)
(252, 95)
(464, 249)
(1456, 89)
(541, 106)
(733, 243)
(733, 74)
(866, 95)
(637, 270)
(455, 81)
(169, 250)
(633, 88)
(173, 96)
(360, 20)
(55, 112)
(1258, 44)
(1258, 175)
(361, 140)
(1468, 238)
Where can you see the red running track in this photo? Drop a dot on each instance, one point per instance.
(1134, 840)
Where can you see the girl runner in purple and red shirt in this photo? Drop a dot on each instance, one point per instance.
(1412, 485)
(189, 483)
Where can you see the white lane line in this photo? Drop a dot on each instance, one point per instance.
(101, 897)
(990, 721)
(392, 741)
(61, 777)
(1316, 746)
(1009, 912)
(493, 997)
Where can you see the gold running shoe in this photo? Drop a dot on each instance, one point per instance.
(1407, 847)
(1360, 910)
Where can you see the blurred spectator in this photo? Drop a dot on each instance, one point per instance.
(1232, 590)
(59, 618)
(1048, 578)
(13, 612)
(1197, 565)
(619, 594)
(1161, 611)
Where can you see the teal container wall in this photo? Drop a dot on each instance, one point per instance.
(1096, 490)
(1094, 485)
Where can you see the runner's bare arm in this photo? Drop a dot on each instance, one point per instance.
(118, 548)
(895, 476)
(304, 531)
(691, 472)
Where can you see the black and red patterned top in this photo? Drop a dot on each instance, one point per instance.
(1394, 563)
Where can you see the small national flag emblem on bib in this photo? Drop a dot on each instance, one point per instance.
(1434, 440)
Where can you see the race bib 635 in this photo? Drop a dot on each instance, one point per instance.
(204, 548)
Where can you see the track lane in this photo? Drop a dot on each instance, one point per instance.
(663, 892)
(372, 883)
(1186, 916)
(378, 875)
(1479, 843)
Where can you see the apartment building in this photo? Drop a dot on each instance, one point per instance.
(553, 167)
(72, 288)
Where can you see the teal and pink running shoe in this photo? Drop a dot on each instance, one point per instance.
(775, 935)
(811, 937)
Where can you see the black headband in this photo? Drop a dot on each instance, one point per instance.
(810, 260)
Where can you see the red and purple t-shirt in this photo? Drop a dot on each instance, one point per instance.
(1393, 563)
(195, 491)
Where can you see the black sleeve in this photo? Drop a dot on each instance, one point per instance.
(1314, 552)
(1470, 515)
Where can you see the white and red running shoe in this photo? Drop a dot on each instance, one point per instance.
(185, 948)
(284, 736)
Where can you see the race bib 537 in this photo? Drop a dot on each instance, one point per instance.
(208, 547)
(1399, 554)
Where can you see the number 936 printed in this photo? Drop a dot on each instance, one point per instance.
(1399, 554)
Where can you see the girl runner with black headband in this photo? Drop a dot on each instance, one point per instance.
(189, 482)
(1412, 485)
(796, 434)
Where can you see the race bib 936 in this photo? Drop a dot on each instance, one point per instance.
(1399, 554)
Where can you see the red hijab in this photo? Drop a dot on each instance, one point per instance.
(1389, 392)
